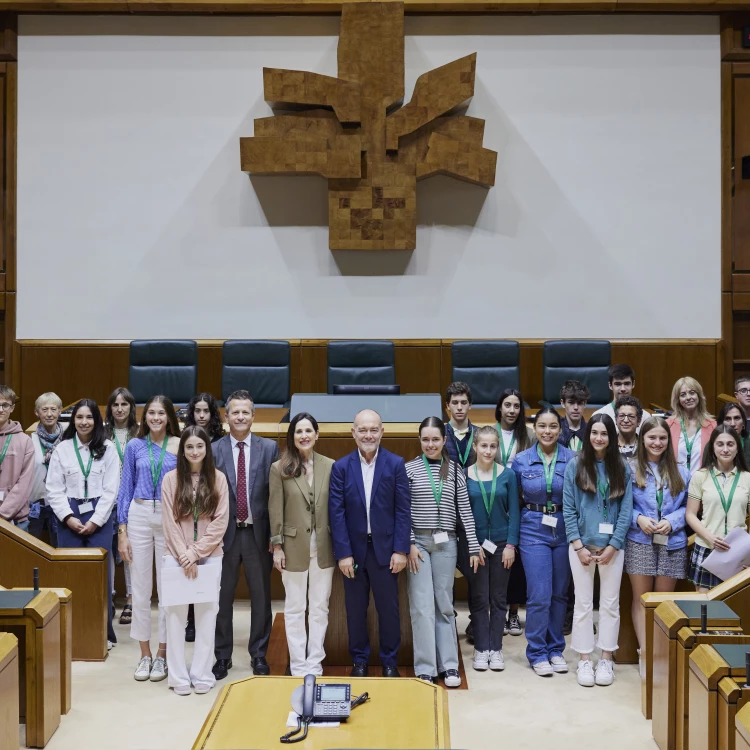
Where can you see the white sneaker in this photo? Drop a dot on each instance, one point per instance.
(543, 668)
(605, 672)
(452, 678)
(109, 645)
(586, 673)
(481, 660)
(182, 690)
(158, 669)
(497, 663)
(558, 664)
(143, 670)
(201, 688)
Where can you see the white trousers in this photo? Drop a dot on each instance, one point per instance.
(610, 575)
(147, 541)
(309, 589)
(205, 628)
(128, 583)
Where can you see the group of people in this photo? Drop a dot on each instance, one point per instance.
(527, 513)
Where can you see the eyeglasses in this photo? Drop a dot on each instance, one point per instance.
(627, 417)
(5, 406)
(743, 391)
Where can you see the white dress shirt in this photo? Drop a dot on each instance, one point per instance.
(235, 457)
(368, 474)
(65, 479)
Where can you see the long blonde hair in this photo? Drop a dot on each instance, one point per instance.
(668, 469)
(692, 383)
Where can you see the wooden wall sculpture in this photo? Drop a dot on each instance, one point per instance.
(371, 151)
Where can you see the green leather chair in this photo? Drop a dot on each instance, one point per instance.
(586, 360)
(260, 367)
(361, 363)
(489, 367)
(168, 368)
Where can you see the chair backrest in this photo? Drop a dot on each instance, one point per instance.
(585, 360)
(489, 367)
(361, 363)
(259, 367)
(169, 368)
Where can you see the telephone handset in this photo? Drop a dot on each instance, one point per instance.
(320, 702)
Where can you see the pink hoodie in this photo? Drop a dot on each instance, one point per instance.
(16, 472)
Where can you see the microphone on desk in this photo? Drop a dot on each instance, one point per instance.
(36, 579)
(747, 669)
(704, 618)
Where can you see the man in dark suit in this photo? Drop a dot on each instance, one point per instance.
(370, 518)
(246, 461)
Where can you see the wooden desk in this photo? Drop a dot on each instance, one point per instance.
(36, 624)
(742, 729)
(649, 603)
(405, 713)
(670, 619)
(82, 571)
(716, 676)
(9, 709)
(65, 597)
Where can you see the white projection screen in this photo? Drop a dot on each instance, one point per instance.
(135, 220)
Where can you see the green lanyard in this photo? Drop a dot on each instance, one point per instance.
(195, 515)
(604, 492)
(503, 455)
(488, 503)
(726, 504)
(688, 443)
(463, 459)
(5, 449)
(659, 499)
(156, 470)
(85, 471)
(437, 490)
(120, 451)
(549, 474)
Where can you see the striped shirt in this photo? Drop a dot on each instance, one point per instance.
(425, 513)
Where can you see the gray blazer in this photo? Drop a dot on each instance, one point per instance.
(263, 452)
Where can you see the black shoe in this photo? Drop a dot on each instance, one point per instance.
(390, 672)
(260, 666)
(190, 631)
(359, 669)
(426, 678)
(568, 624)
(221, 668)
(470, 633)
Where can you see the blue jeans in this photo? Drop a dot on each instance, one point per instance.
(431, 604)
(44, 517)
(545, 557)
(100, 538)
(488, 591)
(23, 525)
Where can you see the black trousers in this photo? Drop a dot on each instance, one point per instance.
(246, 551)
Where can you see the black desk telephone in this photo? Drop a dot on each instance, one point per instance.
(320, 702)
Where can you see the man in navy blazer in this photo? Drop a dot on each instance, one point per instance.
(370, 517)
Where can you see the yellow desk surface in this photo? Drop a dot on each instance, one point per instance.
(401, 713)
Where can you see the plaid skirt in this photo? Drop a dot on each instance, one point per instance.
(697, 574)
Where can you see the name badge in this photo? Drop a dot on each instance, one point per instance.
(548, 520)
(661, 539)
(85, 508)
(606, 528)
(489, 546)
(439, 537)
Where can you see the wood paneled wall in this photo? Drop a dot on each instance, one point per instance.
(74, 369)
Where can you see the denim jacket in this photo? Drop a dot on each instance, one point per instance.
(583, 511)
(529, 471)
(673, 509)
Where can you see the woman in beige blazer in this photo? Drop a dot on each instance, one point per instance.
(301, 539)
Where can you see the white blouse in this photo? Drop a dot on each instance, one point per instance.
(65, 479)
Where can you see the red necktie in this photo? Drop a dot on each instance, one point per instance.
(241, 485)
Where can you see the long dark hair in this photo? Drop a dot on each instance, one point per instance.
(291, 461)
(109, 420)
(173, 426)
(726, 409)
(98, 436)
(214, 429)
(206, 496)
(519, 428)
(437, 422)
(668, 468)
(709, 454)
(586, 474)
